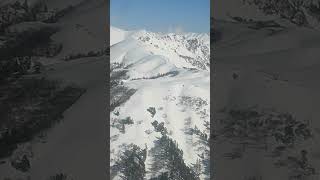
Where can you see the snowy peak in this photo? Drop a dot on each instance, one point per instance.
(117, 35)
(188, 50)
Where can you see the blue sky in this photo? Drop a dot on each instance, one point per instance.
(161, 15)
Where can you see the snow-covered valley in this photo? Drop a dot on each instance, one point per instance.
(162, 82)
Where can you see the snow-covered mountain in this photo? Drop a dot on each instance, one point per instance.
(160, 102)
(266, 83)
(189, 50)
(117, 35)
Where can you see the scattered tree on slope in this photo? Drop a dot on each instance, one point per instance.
(131, 163)
(292, 10)
(168, 158)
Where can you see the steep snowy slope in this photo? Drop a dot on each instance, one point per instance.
(168, 103)
(222, 10)
(118, 35)
(76, 146)
(239, 39)
(274, 76)
(80, 34)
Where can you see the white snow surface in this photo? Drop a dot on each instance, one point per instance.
(277, 71)
(76, 146)
(117, 35)
(162, 79)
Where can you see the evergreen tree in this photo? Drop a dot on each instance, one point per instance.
(168, 157)
(131, 163)
(197, 167)
(292, 10)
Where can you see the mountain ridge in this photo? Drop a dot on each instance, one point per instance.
(161, 85)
